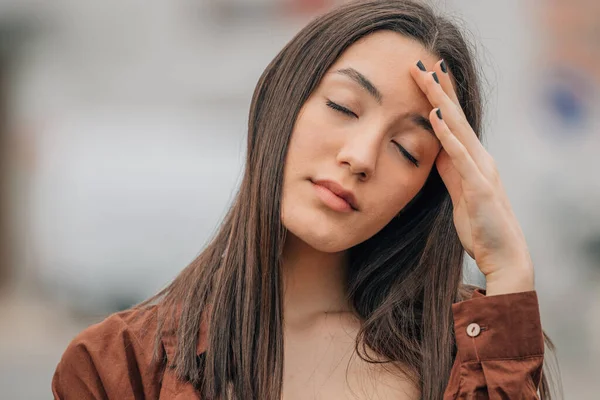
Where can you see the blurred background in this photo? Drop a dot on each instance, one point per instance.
(122, 139)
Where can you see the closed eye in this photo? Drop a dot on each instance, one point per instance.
(406, 154)
(341, 109)
(346, 111)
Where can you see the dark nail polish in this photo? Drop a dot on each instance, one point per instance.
(435, 78)
(443, 67)
(421, 66)
(439, 113)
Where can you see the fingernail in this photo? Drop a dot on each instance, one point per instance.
(421, 66)
(439, 113)
(435, 78)
(443, 67)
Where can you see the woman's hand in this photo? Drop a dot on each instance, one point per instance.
(484, 220)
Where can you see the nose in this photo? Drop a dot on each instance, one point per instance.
(359, 153)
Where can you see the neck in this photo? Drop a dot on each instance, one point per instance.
(313, 282)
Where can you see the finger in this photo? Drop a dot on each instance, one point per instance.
(450, 176)
(453, 115)
(441, 69)
(460, 157)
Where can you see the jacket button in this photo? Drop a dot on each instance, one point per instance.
(473, 330)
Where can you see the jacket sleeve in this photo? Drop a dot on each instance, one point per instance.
(500, 347)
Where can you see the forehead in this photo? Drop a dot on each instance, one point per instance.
(385, 57)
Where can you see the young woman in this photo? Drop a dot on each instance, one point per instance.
(336, 273)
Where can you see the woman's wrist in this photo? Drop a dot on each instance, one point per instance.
(510, 280)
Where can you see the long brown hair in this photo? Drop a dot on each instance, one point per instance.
(402, 281)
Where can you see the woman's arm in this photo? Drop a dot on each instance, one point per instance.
(500, 347)
(499, 336)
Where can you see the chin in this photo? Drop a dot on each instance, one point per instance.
(320, 234)
(323, 243)
(327, 246)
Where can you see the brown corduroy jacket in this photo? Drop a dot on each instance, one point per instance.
(499, 341)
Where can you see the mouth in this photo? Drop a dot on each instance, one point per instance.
(333, 195)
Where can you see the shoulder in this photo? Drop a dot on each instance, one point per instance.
(110, 357)
(121, 332)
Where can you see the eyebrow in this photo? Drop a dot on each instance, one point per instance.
(362, 81)
(422, 122)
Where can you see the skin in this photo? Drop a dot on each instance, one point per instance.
(361, 153)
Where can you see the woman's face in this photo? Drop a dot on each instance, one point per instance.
(365, 128)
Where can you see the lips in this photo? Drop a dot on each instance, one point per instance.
(339, 191)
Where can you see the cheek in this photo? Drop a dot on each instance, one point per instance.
(391, 195)
(311, 132)
(312, 144)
